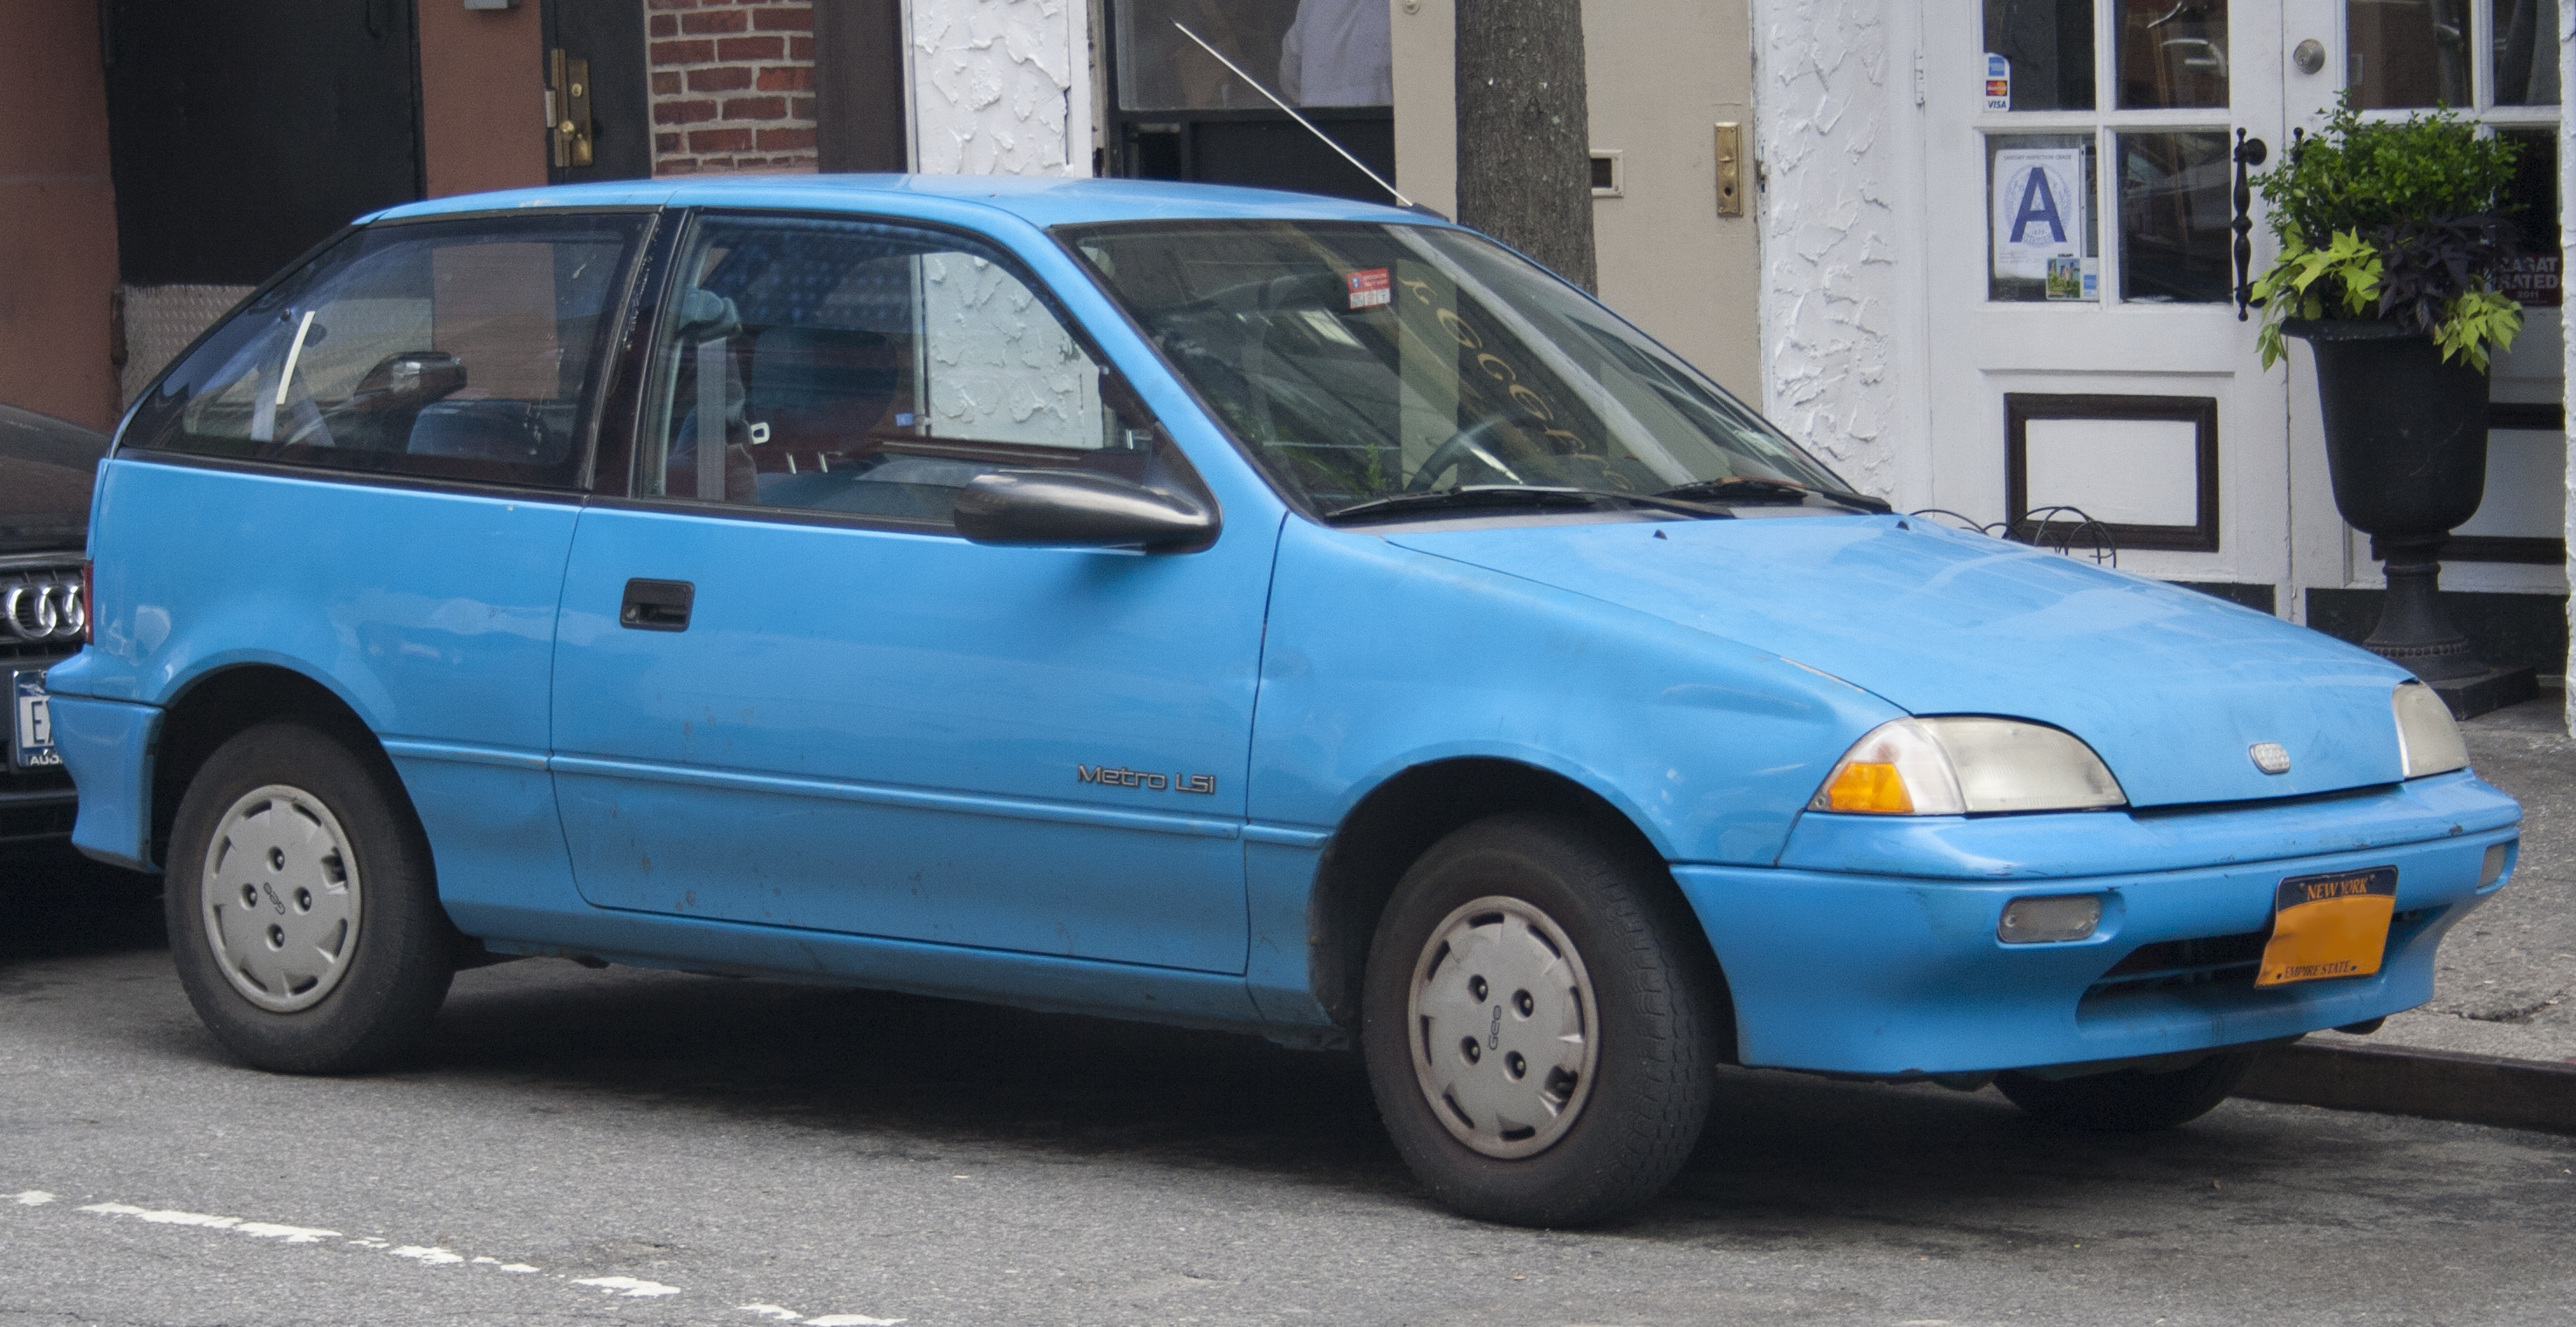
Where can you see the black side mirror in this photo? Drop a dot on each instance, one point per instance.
(1081, 508)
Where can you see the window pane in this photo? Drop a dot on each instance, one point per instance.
(2173, 54)
(2526, 52)
(873, 371)
(2407, 53)
(2047, 51)
(449, 350)
(2532, 201)
(2174, 213)
(2040, 190)
(1311, 52)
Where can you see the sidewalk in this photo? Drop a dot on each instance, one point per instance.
(2507, 981)
(2498, 1042)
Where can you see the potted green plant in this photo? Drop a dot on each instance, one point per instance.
(2390, 243)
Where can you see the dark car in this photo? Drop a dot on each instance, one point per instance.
(46, 468)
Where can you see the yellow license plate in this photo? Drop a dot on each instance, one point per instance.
(2327, 926)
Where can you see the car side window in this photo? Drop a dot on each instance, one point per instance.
(455, 350)
(872, 370)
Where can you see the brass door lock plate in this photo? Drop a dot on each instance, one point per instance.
(568, 108)
(1730, 169)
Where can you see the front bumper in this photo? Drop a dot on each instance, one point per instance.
(1871, 948)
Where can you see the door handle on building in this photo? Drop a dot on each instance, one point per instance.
(568, 108)
(2249, 152)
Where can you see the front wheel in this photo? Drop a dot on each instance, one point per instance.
(1535, 1020)
(2130, 1100)
(303, 913)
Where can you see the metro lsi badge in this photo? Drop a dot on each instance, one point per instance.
(2329, 926)
(1370, 288)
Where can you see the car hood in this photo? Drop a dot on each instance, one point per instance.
(46, 467)
(2170, 686)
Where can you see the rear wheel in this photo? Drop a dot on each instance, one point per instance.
(2130, 1100)
(303, 914)
(1535, 1021)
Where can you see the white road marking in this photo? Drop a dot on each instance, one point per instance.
(629, 1286)
(427, 1255)
(254, 1229)
(291, 1234)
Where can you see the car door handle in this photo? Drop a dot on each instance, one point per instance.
(657, 605)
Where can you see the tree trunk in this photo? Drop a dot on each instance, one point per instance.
(1524, 137)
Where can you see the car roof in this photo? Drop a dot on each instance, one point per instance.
(1041, 201)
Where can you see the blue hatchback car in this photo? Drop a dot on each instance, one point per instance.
(1225, 608)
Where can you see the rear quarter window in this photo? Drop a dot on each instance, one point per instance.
(462, 350)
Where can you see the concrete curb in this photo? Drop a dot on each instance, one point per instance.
(2436, 1085)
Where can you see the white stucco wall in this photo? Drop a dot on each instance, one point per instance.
(1001, 87)
(1842, 328)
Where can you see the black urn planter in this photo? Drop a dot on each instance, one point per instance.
(2406, 443)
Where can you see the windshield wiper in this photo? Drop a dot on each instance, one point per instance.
(1474, 496)
(1751, 491)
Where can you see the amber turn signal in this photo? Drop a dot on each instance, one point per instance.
(1869, 787)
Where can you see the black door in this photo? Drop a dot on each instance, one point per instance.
(243, 133)
(607, 38)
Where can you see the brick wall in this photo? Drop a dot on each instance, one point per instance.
(733, 85)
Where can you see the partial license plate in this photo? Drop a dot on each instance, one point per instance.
(31, 723)
(2326, 926)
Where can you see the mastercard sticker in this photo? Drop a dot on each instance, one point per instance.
(1370, 288)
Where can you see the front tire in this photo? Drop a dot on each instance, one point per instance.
(2130, 1100)
(1536, 1020)
(303, 911)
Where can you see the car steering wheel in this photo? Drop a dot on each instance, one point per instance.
(1466, 442)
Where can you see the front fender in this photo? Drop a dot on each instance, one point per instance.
(1379, 659)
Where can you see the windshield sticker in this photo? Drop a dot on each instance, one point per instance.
(1370, 288)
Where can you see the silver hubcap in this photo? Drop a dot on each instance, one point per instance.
(280, 898)
(1501, 1011)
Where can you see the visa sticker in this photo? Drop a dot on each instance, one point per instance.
(1998, 83)
(1370, 288)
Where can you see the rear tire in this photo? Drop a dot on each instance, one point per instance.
(1536, 1017)
(303, 910)
(2130, 1100)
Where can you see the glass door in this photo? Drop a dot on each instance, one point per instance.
(2496, 62)
(2087, 354)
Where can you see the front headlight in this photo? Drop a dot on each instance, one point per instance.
(1966, 765)
(2427, 740)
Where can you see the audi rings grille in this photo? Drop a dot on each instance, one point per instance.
(42, 605)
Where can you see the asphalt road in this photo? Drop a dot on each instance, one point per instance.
(580, 1146)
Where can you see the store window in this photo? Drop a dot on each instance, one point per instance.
(1311, 52)
(1177, 112)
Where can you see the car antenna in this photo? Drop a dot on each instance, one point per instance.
(1293, 115)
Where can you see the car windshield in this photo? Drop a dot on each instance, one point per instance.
(1368, 365)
